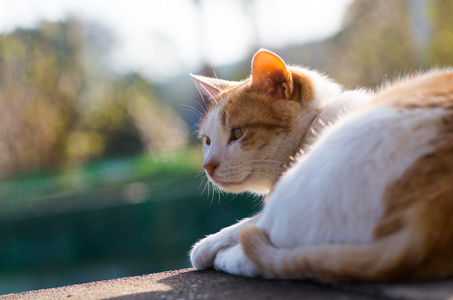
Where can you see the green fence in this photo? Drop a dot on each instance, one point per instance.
(110, 219)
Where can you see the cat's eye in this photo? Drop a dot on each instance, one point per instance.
(207, 140)
(237, 133)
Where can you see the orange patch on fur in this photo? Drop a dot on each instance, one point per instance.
(261, 114)
(423, 197)
(428, 91)
(414, 239)
(425, 190)
(302, 87)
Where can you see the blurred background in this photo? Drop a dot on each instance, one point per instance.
(99, 164)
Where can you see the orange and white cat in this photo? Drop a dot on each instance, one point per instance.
(370, 200)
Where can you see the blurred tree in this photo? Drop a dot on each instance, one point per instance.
(375, 41)
(159, 127)
(60, 104)
(440, 12)
(381, 40)
(40, 83)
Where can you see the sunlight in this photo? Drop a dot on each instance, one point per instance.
(163, 39)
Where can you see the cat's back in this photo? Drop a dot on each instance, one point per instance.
(362, 166)
(405, 121)
(430, 90)
(411, 118)
(417, 113)
(421, 199)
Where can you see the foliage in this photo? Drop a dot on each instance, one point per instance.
(382, 40)
(60, 104)
(442, 40)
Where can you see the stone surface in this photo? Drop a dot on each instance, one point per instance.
(190, 284)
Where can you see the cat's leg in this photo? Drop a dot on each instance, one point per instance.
(205, 250)
(233, 260)
(384, 259)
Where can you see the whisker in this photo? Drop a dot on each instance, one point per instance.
(213, 186)
(204, 109)
(206, 185)
(200, 174)
(201, 94)
(219, 192)
(193, 110)
(201, 182)
(195, 133)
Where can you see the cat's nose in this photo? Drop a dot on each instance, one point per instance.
(210, 167)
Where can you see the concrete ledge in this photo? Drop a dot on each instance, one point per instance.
(190, 284)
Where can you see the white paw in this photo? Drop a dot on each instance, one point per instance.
(202, 255)
(204, 252)
(233, 260)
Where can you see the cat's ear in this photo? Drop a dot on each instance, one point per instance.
(270, 75)
(211, 87)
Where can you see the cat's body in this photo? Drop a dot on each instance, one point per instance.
(371, 200)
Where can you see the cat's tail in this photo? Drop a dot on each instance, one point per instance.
(382, 260)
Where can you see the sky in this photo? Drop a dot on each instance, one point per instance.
(162, 38)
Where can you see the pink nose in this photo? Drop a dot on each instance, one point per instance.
(210, 167)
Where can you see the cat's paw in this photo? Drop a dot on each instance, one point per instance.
(204, 252)
(202, 255)
(233, 260)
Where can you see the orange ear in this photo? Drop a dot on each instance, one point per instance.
(269, 74)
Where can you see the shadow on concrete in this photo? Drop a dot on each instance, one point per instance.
(190, 284)
(218, 285)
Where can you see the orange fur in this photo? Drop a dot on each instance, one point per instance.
(274, 109)
(260, 113)
(268, 104)
(269, 74)
(414, 238)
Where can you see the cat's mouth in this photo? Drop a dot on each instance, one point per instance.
(247, 183)
(230, 186)
(223, 183)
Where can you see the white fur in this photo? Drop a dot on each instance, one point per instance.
(335, 107)
(334, 193)
(324, 88)
(205, 251)
(235, 166)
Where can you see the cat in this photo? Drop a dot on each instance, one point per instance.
(371, 198)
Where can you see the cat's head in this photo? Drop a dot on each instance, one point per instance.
(253, 127)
